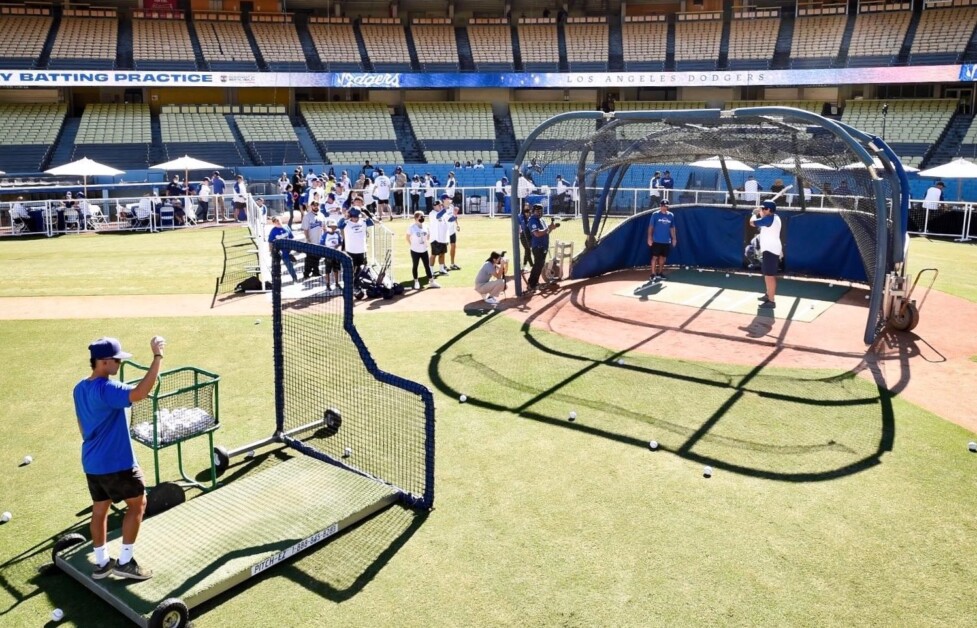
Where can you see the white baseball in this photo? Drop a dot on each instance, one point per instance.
(653, 444)
(707, 471)
(28, 460)
(257, 321)
(573, 415)
(463, 398)
(249, 455)
(972, 446)
(347, 452)
(620, 360)
(5, 517)
(727, 274)
(57, 614)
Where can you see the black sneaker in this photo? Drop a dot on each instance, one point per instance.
(762, 298)
(768, 305)
(101, 572)
(454, 267)
(132, 571)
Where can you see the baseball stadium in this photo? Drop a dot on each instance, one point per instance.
(481, 313)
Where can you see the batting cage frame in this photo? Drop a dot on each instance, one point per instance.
(864, 231)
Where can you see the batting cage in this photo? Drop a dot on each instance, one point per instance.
(842, 218)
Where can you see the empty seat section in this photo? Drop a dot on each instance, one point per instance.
(587, 44)
(224, 43)
(451, 131)
(162, 44)
(117, 135)
(27, 132)
(336, 43)
(817, 40)
(635, 132)
(205, 136)
(85, 42)
(386, 43)
(279, 44)
(350, 132)
(911, 126)
(271, 138)
(436, 47)
(753, 41)
(878, 37)
(645, 44)
(491, 46)
(22, 39)
(526, 116)
(968, 145)
(943, 35)
(697, 44)
(539, 45)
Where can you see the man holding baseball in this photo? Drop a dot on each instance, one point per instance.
(661, 238)
(766, 219)
(106, 451)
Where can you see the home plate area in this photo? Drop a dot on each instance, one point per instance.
(798, 300)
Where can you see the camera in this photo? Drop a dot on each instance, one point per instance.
(502, 258)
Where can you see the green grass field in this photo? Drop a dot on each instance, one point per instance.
(832, 503)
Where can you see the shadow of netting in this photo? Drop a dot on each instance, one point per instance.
(788, 425)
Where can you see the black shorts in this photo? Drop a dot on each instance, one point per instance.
(332, 265)
(770, 264)
(116, 487)
(439, 248)
(660, 249)
(453, 239)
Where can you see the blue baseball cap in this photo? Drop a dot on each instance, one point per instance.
(353, 212)
(445, 196)
(106, 348)
(769, 205)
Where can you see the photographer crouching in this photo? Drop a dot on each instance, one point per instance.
(490, 279)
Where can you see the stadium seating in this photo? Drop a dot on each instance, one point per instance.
(336, 42)
(968, 145)
(224, 42)
(271, 139)
(454, 131)
(205, 136)
(279, 42)
(27, 132)
(752, 40)
(491, 44)
(162, 43)
(942, 35)
(434, 40)
(117, 135)
(587, 39)
(539, 45)
(877, 38)
(911, 126)
(814, 106)
(386, 44)
(85, 42)
(352, 132)
(697, 39)
(22, 39)
(817, 40)
(645, 41)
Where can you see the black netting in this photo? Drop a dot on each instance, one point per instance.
(334, 400)
(240, 260)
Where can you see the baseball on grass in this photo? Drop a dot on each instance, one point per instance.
(707, 472)
(653, 444)
(257, 321)
(28, 460)
(347, 452)
(463, 398)
(573, 415)
(5, 517)
(620, 360)
(972, 446)
(249, 455)
(57, 614)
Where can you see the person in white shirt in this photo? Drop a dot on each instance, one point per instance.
(451, 216)
(240, 198)
(312, 224)
(450, 186)
(478, 165)
(526, 187)
(500, 194)
(283, 183)
(766, 219)
(751, 190)
(438, 219)
(399, 188)
(933, 196)
(333, 208)
(203, 200)
(369, 202)
(654, 188)
(415, 193)
(561, 194)
(418, 238)
(428, 191)
(381, 191)
(332, 238)
(354, 229)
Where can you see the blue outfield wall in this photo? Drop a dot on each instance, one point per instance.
(815, 244)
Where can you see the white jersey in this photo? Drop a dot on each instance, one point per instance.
(439, 227)
(449, 189)
(355, 235)
(770, 237)
(368, 195)
(332, 239)
(750, 191)
(312, 223)
(419, 236)
(933, 197)
(381, 187)
(452, 224)
(525, 187)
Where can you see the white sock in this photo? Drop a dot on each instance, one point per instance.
(125, 555)
(102, 555)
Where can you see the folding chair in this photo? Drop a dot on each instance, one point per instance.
(189, 211)
(96, 219)
(167, 217)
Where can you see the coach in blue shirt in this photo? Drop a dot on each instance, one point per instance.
(661, 239)
(540, 243)
(106, 451)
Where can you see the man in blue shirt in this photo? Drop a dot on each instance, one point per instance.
(667, 183)
(661, 239)
(106, 451)
(540, 243)
(217, 183)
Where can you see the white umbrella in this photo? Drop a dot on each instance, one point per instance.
(958, 169)
(717, 162)
(877, 164)
(806, 164)
(186, 164)
(84, 168)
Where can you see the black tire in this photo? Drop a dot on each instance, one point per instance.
(171, 613)
(63, 543)
(332, 419)
(222, 460)
(162, 497)
(907, 320)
